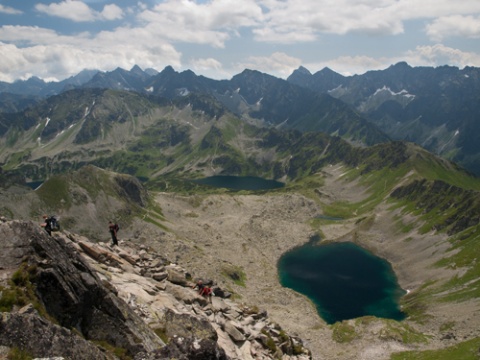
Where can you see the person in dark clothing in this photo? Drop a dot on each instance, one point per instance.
(199, 286)
(113, 231)
(47, 225)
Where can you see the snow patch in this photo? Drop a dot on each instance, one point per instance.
(387, 89)
(337, 88)
(48, 120)
(183, 92)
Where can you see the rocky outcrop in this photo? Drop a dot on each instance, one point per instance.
(70, 291)
(27, 330)
(128, 297)
(130, 188)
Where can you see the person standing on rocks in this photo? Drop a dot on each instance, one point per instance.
(113, 228)
(47, 224)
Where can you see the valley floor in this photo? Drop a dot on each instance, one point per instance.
(223, 236)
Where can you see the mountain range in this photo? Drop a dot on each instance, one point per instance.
(437, 108)
(127, 145)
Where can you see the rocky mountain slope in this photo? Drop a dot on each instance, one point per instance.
(426, 229)
(68, 297)
(437, 108)
(88, 149)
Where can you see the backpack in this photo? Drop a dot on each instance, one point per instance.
(54, 225)
(116, 227)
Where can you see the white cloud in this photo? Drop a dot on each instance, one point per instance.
(9, 10)
(111, 12)
(305, 20)
(206, 64)
(153, 32)
(51, 55)
(456, 25)
(78, 11)
(68, 9)
(208, 67)
(34, 35)
(436, 55)
(211, 23)
(351, 65)
(278, 64)
(439, 54)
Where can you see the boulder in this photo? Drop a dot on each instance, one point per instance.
(190, 348)
(186, 325)
(233, 332)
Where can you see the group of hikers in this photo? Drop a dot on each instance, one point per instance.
(50, 223)
(203, 289)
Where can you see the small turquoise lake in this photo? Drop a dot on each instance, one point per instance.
(240, 182)
(343, 280)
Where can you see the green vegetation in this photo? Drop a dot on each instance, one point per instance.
(464, 255)
(19, 354)
(120, 353)
(414, 303)
(467, 350)
(235, 273)
(21, 291)
(343, 332)
(55, 193)
(162, 334)
(402, 332)
(270, 343)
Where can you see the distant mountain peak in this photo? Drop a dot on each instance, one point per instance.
(401, 65)
(326, 69)
(137, 69)
(303, 70)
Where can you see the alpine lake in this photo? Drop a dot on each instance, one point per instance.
(343, 280)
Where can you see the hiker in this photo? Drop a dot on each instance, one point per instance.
(200, 286)
(47, 224)
(203, 290)
(113, 228)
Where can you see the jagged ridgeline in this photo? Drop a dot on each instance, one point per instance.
(149, 136)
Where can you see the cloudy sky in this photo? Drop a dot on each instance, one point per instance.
(220, 38)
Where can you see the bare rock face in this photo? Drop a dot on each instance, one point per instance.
(33, 333)
(116, 296)
(71, 292)
(77, 298)
(131, 188)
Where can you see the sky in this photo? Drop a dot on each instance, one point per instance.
(54, 40)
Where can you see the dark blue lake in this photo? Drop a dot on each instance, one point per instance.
(240, 182)
(34, 184)
(343, 280)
